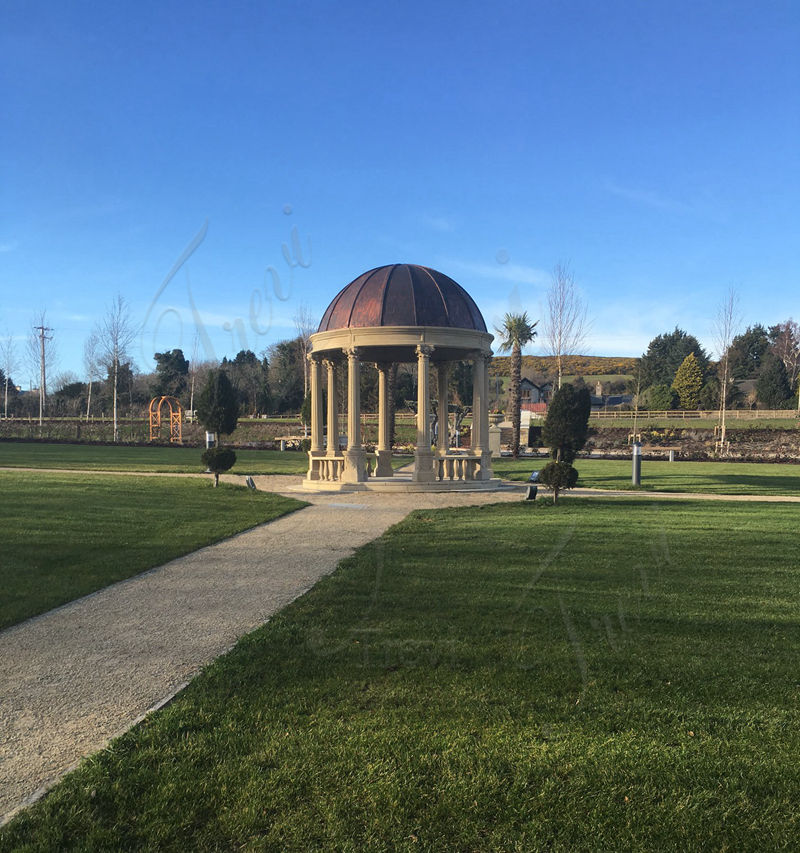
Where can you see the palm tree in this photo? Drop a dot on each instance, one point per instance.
(516, 331)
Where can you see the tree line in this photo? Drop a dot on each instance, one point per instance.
(273, 382)
(759, 366)
(674, 372)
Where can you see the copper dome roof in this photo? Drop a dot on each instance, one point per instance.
(402, 295)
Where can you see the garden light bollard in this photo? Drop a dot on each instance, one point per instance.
(636, 477)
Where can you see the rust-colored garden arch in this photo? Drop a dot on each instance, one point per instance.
(175, 419)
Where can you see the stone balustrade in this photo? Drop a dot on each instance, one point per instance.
(327, 468)
(330, 468)
(456, 466)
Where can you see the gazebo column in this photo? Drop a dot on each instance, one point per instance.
(333, 410)
(316, 450)
(354, 459)
(384, 450)
(423, 456)
(443, 438)
(480, 415)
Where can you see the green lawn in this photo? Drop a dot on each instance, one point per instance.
(67, 535)
(605, 675)
(145, 459)
(101, 457)
(719, 478)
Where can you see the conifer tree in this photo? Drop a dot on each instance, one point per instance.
(688, 382)
(566, 426)
(772, 386)
(218, 412)
(218, 406)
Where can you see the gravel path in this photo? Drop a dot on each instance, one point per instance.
(74, 678)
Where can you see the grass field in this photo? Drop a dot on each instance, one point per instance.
(144, 459)
(607, 675)
(592, 379)
(718, 478)
(713, 477)
(103, 457)
(67, 535)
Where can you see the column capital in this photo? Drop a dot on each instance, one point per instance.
(330, 363)
(383, 365)
(424, 350)
(314, 357)
(352, 352)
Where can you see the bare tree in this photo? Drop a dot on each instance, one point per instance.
(637, 391)
(304, 324)
(565, 324)
(62, 379)
(116, 333)
(193, 371)
(91, 365)
(9, 364)
(41, 356)
(787, 347)
(725, 327)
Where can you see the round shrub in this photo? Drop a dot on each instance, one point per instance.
(217, 460)
(558, 476)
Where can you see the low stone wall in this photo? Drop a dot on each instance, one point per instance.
(698, 444)
(745, 444)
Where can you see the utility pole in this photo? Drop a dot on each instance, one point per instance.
(43, 337)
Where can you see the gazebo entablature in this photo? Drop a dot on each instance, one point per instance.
(346, 349)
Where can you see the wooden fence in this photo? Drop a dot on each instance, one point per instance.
(681, 415)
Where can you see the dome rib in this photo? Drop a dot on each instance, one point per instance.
(382, 313)
(439, 291)
(413, 297)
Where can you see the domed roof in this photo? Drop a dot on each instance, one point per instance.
(402, 295)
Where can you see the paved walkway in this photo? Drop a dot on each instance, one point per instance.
(74, 678)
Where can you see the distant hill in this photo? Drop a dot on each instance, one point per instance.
(573, 365)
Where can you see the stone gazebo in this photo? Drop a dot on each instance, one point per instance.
(398, 314)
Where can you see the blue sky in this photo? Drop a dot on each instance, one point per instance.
(282, 149)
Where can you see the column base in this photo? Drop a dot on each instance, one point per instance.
(354, 466)
(423, 467)
(384, 467)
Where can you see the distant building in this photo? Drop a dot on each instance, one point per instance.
(530, 392)
(610, 401)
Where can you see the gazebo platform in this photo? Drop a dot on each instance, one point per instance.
(403, 483)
